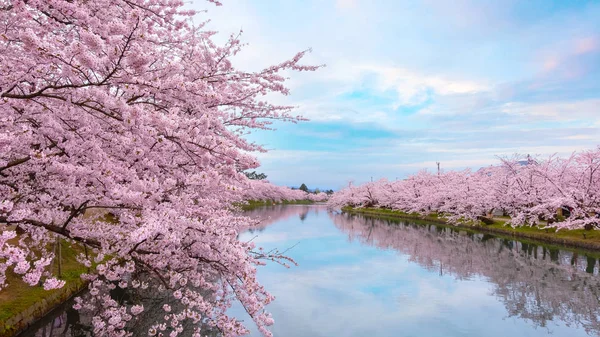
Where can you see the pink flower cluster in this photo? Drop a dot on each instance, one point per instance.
(527, 189)
(120, 130)
(263, 190)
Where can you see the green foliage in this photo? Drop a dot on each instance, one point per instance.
(255, 176)
(303, 188)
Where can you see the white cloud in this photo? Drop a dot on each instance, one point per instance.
(446, 164)
(580, 137)
(586, 45)
(470, 81)
(298, 155)
(413, 87)
(345, 4)
(557, 111)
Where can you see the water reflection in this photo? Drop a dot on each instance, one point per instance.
(268, 215)
(67, 322)
(534, 282)
(63, 321)
(362, 276)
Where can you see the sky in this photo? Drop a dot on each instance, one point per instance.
(407, 84)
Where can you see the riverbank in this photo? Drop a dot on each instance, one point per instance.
(21, 305)
(252, 204)
(577, 238)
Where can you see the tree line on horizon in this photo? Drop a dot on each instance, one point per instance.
(305, 188)
(261, 176)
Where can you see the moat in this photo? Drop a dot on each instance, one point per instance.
(359, 276)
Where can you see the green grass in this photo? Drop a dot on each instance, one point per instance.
(577, 238)
(19, 296)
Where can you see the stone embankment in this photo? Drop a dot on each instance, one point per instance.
(21, 321)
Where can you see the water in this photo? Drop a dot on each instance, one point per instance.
(361, 276)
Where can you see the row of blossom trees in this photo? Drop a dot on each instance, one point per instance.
(528, 190)
(263, 190)
(128, 107)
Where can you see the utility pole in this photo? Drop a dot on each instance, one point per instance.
(58, 252)
(438, 165)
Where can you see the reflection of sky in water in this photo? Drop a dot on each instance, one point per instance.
(345, 288)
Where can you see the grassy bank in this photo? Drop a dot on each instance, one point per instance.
(252, 204)
(18, 297)
(577, 238)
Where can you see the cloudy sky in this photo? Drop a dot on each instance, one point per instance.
(410, 83)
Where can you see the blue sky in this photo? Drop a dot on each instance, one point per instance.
(409, 83)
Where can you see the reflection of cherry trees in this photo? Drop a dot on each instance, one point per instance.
(68, 322)
(267, 215)
(63, 323)
(534, 282)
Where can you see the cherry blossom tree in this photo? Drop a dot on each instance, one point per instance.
(573, 182)
(529, 189)
(525, 192)
(126, 107)
(263, 190)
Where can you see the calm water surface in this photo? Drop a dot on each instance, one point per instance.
(361, 276)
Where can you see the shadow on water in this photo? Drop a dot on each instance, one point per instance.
(62, 321)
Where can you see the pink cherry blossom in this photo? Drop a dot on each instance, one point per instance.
(529, 190)
(137, 309)
(121, 128)
(53, 283)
